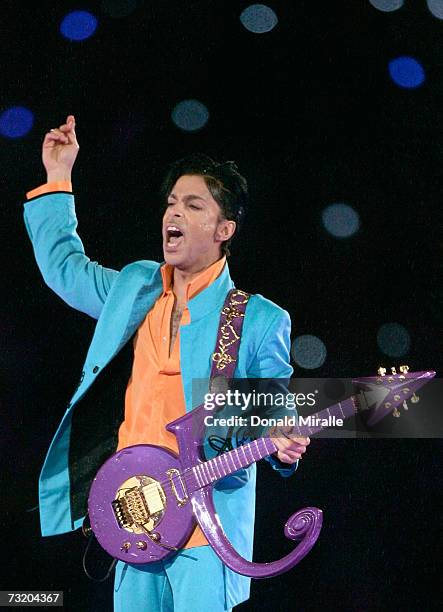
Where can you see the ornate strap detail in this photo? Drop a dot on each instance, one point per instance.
(229, 334)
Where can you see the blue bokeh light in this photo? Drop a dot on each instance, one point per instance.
(308, 352)
(190, 115)
(406, 72)
(340, 220)
(78, 25)
(259, 18)
(393, 339)
(16, 122)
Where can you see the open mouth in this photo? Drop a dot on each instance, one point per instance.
(174, 236)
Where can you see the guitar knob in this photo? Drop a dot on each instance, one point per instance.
(142, 545)
(396, 413)
(125, 546)
(155, 536)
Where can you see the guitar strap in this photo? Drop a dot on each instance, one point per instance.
(224, 357)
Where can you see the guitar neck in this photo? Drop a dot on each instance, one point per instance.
(227, 463)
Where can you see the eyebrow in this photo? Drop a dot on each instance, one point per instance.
(187, 198)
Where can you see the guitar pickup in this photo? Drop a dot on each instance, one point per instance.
(153, 499)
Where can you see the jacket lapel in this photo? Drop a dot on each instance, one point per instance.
(131, 297)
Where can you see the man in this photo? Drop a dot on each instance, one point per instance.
(171, 312)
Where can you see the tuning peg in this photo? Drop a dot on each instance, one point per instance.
(405, 405)
(396, 413)
(415, 398)
(394, 371)
(381, 371)
(404, 369)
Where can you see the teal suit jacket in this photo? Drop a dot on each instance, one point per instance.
(120, 301)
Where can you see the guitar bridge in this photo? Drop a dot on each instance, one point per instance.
(140, 504)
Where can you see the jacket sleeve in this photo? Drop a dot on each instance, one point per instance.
(51, 224)
(272, 360)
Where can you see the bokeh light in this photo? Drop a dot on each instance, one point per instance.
(190, 115)
(16, 122)
(308, 352)
(406, 72)
(118, 8)
(259, 18)
(436, 8)
(393, 339)
(340, 220)
(78, 25)
(387, 6)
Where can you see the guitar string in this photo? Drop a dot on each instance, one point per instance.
(189, 472)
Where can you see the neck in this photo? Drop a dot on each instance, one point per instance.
(181, 278)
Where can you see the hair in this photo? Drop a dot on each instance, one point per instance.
(223, 180)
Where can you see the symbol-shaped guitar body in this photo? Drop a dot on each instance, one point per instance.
(145, 501)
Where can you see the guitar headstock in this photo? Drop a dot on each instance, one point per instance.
(387, 392)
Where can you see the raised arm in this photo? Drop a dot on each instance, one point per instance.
(51, 224)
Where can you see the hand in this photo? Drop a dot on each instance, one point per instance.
(59, 151)
(290, 447)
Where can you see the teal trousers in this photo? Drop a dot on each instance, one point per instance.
(194, 580)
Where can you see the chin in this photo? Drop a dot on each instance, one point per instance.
(174, 259)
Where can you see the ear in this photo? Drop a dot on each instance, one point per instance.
(225, 230)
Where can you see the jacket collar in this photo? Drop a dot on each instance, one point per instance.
(132, 296)
(211, 298)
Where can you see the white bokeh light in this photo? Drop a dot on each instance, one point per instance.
(118, 8)
(308, 352)
(340, 220)
(387, 6)
(393, 339)
(259, 18)
(436, 8)
(190, 115)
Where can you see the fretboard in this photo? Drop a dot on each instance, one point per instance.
(227, 463)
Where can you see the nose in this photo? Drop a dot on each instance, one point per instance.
(175, 210)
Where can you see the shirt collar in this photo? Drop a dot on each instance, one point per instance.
(200, 282)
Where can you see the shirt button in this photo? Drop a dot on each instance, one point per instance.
(95, 370)
(164, 338)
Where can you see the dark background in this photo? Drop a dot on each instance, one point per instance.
(311, 116)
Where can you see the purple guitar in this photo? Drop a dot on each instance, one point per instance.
(145, 500)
